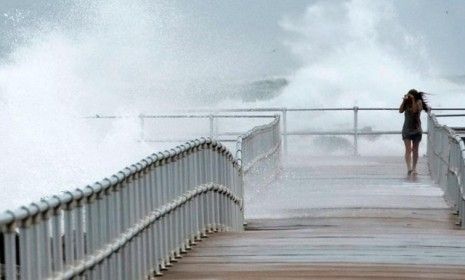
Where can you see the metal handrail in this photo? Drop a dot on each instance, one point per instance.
(449, 115)
(259, 143)
(144, 216)
(446, 162)
(285, 133)
(277, 109)
(126, 213)
(212, 114)
(45, 205)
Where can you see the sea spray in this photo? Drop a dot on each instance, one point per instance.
(355, 53)
(114, 58)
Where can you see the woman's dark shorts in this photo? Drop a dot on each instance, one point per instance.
(414, 137)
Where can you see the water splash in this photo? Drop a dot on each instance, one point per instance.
(107, 57)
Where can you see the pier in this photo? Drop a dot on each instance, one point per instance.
(253, 208)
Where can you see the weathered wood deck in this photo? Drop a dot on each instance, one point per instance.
(337, 219)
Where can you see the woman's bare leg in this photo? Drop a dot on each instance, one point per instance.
(408, 153)
(415, 146)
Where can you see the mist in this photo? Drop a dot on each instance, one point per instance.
(102, 57)
(83, 58)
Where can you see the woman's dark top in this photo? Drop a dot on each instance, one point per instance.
(412, 124)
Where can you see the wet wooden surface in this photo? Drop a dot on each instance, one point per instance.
(337, 219)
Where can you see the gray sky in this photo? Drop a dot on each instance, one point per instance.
(252, 27)
(442, 24)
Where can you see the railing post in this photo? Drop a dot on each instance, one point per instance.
(10, 251)
(141, 123)
(284, 112)
(26, 248)
(355, 131)
(210, 117)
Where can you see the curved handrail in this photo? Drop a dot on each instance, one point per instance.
(259, 143)
(136, 229)
(164, 203)
(57, 201)
(78, 229)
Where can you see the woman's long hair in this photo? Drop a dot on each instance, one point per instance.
(420, 95)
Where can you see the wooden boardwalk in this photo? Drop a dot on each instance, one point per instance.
(337, 219)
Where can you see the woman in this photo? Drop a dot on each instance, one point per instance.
(411, 106)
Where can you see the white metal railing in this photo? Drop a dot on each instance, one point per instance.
(285, 113)
(133, 224)
(259, 143)
(446, 162)
(213, 120)
(354, 131)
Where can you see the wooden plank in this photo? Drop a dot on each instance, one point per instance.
(313, 271)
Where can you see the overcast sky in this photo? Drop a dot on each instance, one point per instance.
(253, 26)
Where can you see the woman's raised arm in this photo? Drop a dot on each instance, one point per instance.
(402, 106)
